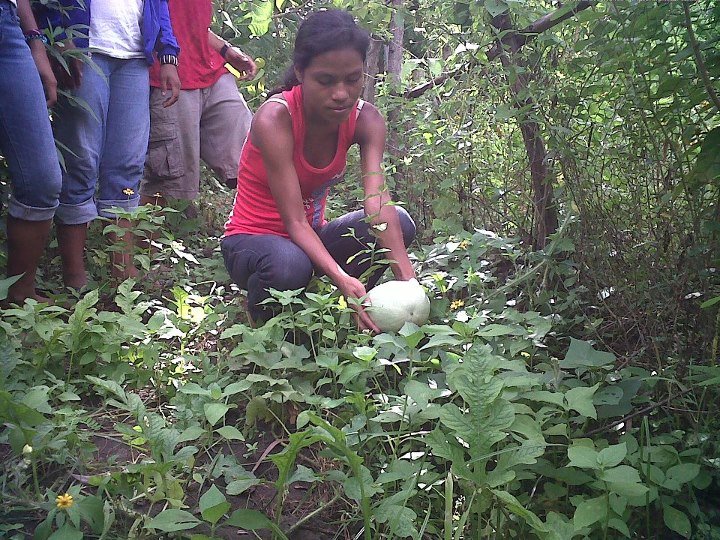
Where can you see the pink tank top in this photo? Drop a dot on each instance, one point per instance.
(254, 210)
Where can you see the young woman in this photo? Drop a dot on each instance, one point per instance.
(296, 150)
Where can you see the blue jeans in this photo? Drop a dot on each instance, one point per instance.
(26, 138)
(258, 262)
(106, 147)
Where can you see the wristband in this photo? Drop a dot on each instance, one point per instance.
(169, 59)
(35, 34)
(224, 50)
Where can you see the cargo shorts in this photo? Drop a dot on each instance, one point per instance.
(209, 124)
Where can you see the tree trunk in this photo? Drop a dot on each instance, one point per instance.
(394, 70)
(545, 220)
(372, 68)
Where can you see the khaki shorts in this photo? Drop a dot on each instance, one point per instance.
(209, 124)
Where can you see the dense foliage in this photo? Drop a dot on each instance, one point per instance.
(564, 385)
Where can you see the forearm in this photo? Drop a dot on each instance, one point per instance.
(384, 221)
(25, 14)
(303, 235)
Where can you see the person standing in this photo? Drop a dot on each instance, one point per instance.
(105, 137)
(26, 142)
(210, 120)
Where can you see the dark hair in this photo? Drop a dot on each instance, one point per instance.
(321, 32)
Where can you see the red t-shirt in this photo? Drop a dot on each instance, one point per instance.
(200, 65)
(254, 210)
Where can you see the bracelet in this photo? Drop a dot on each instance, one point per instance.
(35, 34)
(224, 50)
(169, 59)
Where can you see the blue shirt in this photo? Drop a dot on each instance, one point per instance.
(156, 28)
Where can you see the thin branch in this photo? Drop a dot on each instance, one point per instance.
(699, 62)
(515, 40)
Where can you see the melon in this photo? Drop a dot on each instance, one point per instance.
(394, 303)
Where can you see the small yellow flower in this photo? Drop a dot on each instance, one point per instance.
(457, 304)
(128, 191)
(64, 501)
(464, 244)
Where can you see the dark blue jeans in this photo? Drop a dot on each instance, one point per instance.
(258, 262)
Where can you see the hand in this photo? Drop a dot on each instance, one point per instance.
(241, 62)
(69, 73)
(169, 80)
(45, 70)
(352, 288)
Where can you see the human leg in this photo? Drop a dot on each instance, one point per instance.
(172, 165)
(348, 236)
(123, 156)
(224, 126)
(81, 132)
(261, 262)
(26, 142)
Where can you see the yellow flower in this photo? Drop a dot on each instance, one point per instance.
(128, 191)
(457, 304)
(64, 501)
(464, 244)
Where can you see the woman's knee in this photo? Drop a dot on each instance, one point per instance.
(285, 269)
(407, 225)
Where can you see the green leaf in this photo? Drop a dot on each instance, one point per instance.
(250, 520)
(583, 457)
(66, 532)
(400, 520)
(173, 520)
(215, 411)
(512, 504)
(580, 399)
(612, 455)
(303, 474)
(213, 505)
(681, 474)
(260, 17)
(677, 521)
(236, 487)
(581, 354)
(590, 511)
(619, 525)
(231, 433)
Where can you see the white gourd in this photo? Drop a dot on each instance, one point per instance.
(394, 303)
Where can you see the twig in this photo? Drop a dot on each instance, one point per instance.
(636, 413)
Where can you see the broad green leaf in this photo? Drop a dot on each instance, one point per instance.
(677, 521)
(173, 520)
(260, 16)
(621, 473)
(590, 511)
(581, 354)
(680, 474)
(583, 457)
(66, 532)
(401, 520)
(231, 433)
(236, 487)
(250, 520)
(215, 411)
(612, 455)
(213, 505)
(619, 525)
(580, 399)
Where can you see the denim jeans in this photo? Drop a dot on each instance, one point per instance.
(26, 139)
(106, 144)
(258, 262)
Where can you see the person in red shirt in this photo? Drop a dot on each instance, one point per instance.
(210, 119)
(277, 235)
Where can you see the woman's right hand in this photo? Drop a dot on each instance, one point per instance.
(70, 77)
(353, 289)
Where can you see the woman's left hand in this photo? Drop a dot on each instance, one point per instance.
(241, 62)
